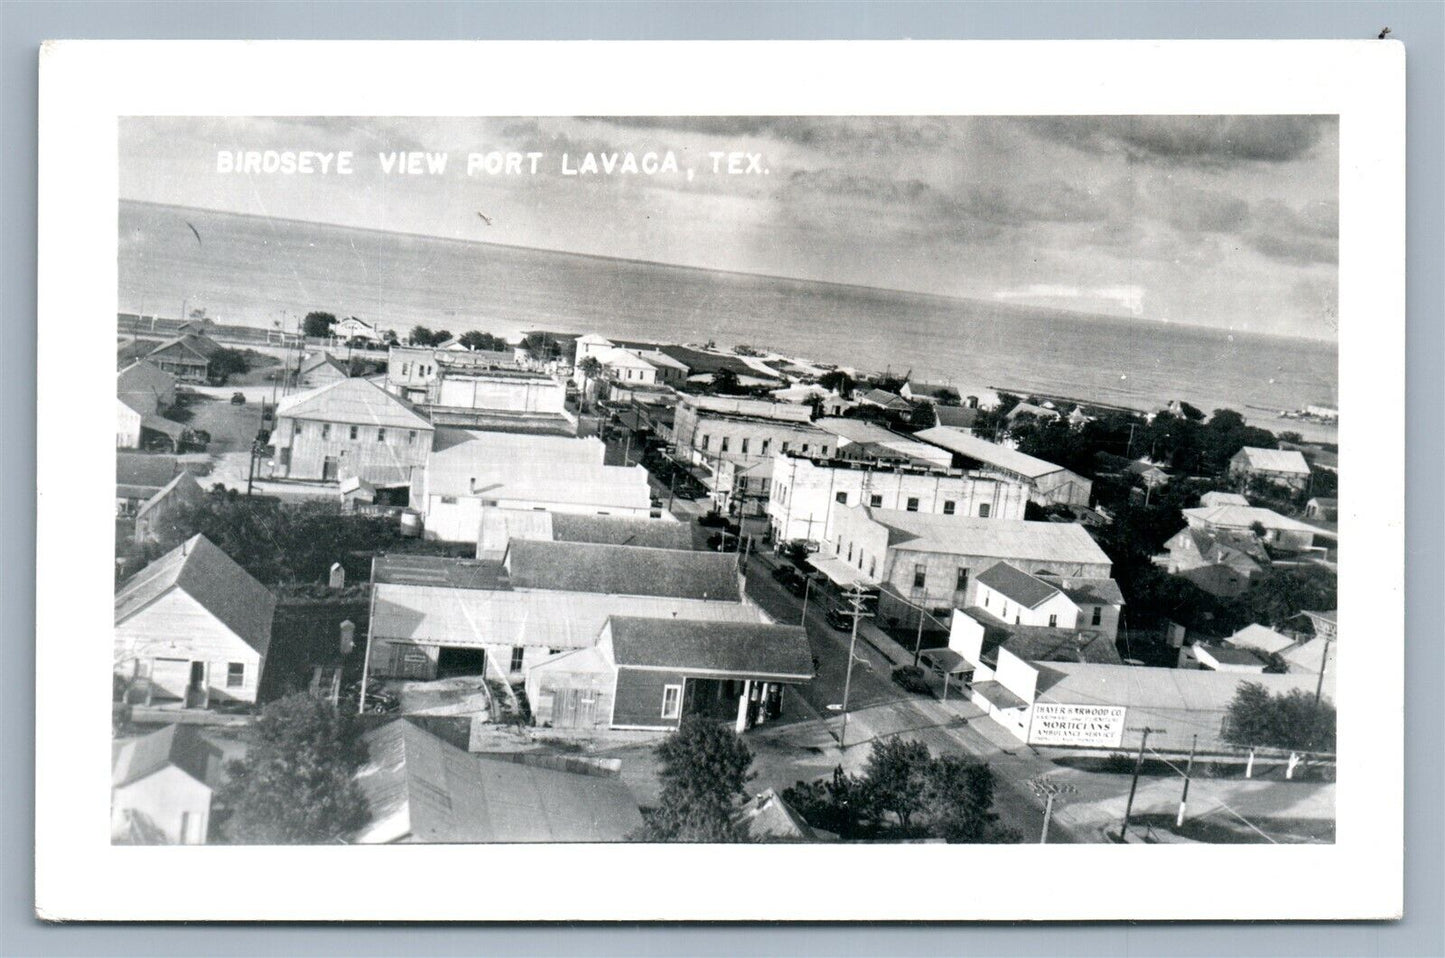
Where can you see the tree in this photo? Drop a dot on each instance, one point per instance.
(1192, 413)
(226, 362)
(317, 325)
(295, 784)
(838, 381)
(542, 347)
(704, 770)
(590, 368)
(922, 416)
(895, 776)
(959, 800)
(421, 336)
(390, 338)
(483, 341)
(1291, 720)
(725, 381)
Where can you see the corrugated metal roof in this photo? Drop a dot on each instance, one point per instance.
(545, 468)
(1275, 460)
(1016, 584)
(622, 570)
(213, 579)
(1088, 591)
(442, 615)
(621, 530)
(1002, 538)
(1261, 637)
(966, 444)
(352, 401)
(1152, 688)
(183, 488)
(422, 789)
(738, 648)
(142, 378)
(1242, 517)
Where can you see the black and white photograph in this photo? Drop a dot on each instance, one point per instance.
(829, 480)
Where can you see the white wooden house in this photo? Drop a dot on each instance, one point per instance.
(192, 628)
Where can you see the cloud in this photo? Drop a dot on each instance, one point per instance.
(860, 132)
(1304, 236)
(1195, 210)
(1190, 140)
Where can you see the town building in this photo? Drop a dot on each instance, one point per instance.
(1223, 563)
(1219, 657)
(1283, 467)
(1276, 532)
(434, 617)
(766, 817)
(938, 394)
(932, 560)
(187, 357)
(1048, 484)
(628, 364)
(1219, 498)
(958, 418)
(651, 673)
(422, 789)
(146, 387)
(156, 518)
(1026, 409)
(468, 471)
(1016, 597)
(127, 424)
(161, 787)
(192, 628)
(811, 394)
(353, 328)
(500, 526)
(138, 477)
(868, 441)
(1322, 509)
(416, 373)
(352, 427)
(1262, 638)
(320, 370)
(734, 440)
(703, 365)
(806, 491)
(1101, 706)
(884, 399)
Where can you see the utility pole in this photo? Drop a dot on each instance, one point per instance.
(807, 587)
(1188, 770)
(918, 639)
(855, 611)
(1324, 661)
(1134, 785)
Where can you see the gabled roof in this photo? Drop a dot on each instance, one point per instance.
(989, 453)
(1001, 538)
(956, 417)
(736, 648)
(621, 531)
(1262, 637)
(1017, 585)
(352, 401)
(1274, 460)
(1038, 643)
(622, 570)
(1083, 590)
(1220, 498)
(201, 347)
(1029, 409)
(180, 745)
(143, 378)
(323, 359)
(933, 390)
(183, 488)
(768, 818)
(1243, 517)
(142, 470)
(1222, 547)
(882, 397)
(422, 789)
(213, 579)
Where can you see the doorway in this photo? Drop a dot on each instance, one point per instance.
(329, 469)
(452, 661)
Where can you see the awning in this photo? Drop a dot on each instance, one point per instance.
(840, 572)
(166, 427)
(998, 696)
(946, 661)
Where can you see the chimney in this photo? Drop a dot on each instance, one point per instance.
(348, 637)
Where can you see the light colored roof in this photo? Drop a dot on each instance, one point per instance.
(1151, 688)
(1013, 583)
(423, 789)
(1242, 517)
(1086, 590)
(518, 466)
(355, 401)
(758, 408)
(213, 579)
(616, 356)
(1217, 498)
(201, 347)
(770, 819)
(622, 570)
(1029, 409)
(967, 444)
(184, 488)
(554, 620)
(740, 648)
(1275, 460)
(1262, 637)
(322, 359)
(882, 397)
(1001, 538)
(1308, 657)
(859, 430)
(143, 378)
(621, 530)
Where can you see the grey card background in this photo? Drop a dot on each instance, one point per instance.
(1419, 25)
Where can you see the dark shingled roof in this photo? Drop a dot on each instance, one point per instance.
(622, 570)
(740, 648)
(1037, 643)
(957, 417)
(1016, 584)
(180, 745)
(200, 569)
(138, 469)
(405, 569)
(622, 531)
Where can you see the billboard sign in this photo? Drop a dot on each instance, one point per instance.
(1078, 726)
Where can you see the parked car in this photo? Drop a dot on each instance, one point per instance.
(238, 399)
(839, 620)
(791, 579)
(912, 679)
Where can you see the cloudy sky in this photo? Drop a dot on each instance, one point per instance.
(1222, 221)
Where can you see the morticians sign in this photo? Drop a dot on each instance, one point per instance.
(1082, 726)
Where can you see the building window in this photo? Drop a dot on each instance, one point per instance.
(671, 701)
(912, 504)
(723, 445)
(1053, 621)
(825, 452)
(411, 437)
(235, 674)
(876, 501)
(841, 497)
(744, 448)
(873, 568)
(705, 440)
(920, 575)
(381, 435)
(1098, 615)
(985, 600)
(518, 652)
(355, 431)
(406, 369)
(805, 448)
(962, 582)
(326, 430)
(948, 507)
(785, 445)
(983, 511)
(850, 552)
(764, 449)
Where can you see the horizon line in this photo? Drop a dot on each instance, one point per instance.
(1006, 307)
